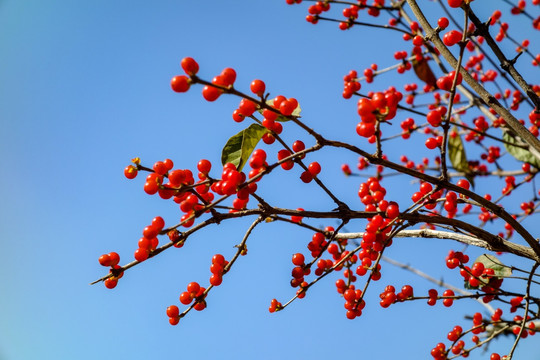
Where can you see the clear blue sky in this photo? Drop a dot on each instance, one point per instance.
(84, 87)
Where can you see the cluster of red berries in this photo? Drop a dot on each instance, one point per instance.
(527, 207)
(154, 180)
(378, 107)
(149, 241)
(351, 84)
(194, 292)
(354, 304)
(369, 73)
(439, 352)
(485, 215)
(445, 82)
(452, 37)
(315, 10)
(457, 3)
(447, 297)
(346, 169)
(313, 170)
(372, 194)
(389, 296)
(534, 117)
(280, 105)
(479, 275)
(412, 88)
(376, 236)
(530, 329)
(502, 32)
(275, 306)
(297, 218)
(283, 154)
(217, 269)
(435, 117)
(351, 14)
(182, 83)
(454, 336)
(316, 245)
(494, 152)
(434, 142)
(455, 259)
(510, 185)
(429, 202)
(298, 272)
(111, 260)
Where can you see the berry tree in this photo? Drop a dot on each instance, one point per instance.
(459, 105)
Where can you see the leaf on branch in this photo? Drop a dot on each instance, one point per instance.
(458, 158)
(518, 152)
(239, 147)
(423, 71)
(491, 262)
(282, 118)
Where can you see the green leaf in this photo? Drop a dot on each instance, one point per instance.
(469, 287)
(457, 155)
(491, 262)
(240, 146)
(518, 152)
(282, 118)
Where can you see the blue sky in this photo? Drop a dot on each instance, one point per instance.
(84, 87)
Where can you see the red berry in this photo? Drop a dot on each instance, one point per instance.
(443, 23)
(407, 290)
(189, 65)
(228, 76)
(431, 143)
(247, 107)
(287, 107)
(130, 172)
(158, 222)
(173, 311)
(193, 288)
(180, 83)
(455, 3)
(298, 146)
(105, 260)
(150, 232)
(185, 298)
(141, 254)
(306, 177)
(314, 168)
(298, 259)
(418, 40)
(218, 259)
(257, 87)
(216, 279)
(462, 183)
(114, 258)
(204, 166)
(392, 211)
(200, 306)
(111, 283)
(211, 93)
(452, 37)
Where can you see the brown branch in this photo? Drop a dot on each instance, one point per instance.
(446, 124)
(508, 246)
(507, 65)
(524, 321)
(494, 208)
(489, 99)
(440, 283)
